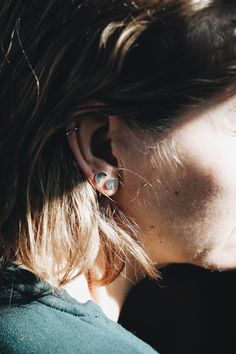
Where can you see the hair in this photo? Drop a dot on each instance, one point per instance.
(146, 61)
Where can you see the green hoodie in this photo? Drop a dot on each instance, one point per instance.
(35, 320)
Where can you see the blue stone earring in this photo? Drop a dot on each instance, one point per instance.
(99, 177)
(112, 184)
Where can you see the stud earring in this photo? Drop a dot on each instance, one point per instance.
(112, 184)
(99, 177)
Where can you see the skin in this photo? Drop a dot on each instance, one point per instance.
(187, 207)
(179, 187)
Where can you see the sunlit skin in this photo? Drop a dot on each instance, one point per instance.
(179, 187)
(185, 200)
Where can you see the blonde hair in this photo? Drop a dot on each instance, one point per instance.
(67, 234)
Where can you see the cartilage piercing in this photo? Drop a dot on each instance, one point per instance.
(69, 132)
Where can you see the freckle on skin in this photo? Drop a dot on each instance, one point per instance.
(176, 192)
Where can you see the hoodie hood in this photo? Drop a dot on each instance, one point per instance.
(18, 285)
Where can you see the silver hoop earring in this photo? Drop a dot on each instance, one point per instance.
(69, 132)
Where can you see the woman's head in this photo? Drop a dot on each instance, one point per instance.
(145, 81)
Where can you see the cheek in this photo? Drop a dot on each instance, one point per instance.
(210, 178)
(190, 195)
(207, 178)
(197, 202)
(185, 187)
(183, 194)
(188, 203)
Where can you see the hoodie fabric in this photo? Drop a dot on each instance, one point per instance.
(35, 320)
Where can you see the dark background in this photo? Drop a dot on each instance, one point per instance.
(190, 311)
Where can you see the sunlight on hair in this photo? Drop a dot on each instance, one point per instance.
(199, 4)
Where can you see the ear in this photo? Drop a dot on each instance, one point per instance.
(90, 142)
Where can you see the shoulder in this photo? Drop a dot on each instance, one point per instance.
(54, 326)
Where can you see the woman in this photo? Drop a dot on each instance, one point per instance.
(117, 157)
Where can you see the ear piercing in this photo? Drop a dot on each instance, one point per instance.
(111, 184)
(99, 177)
(69, 132)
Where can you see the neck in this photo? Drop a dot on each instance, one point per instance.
(109, 297)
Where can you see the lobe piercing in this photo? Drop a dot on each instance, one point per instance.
(99, 177)
(112, 184)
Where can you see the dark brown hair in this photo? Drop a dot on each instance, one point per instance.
(147, 61)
